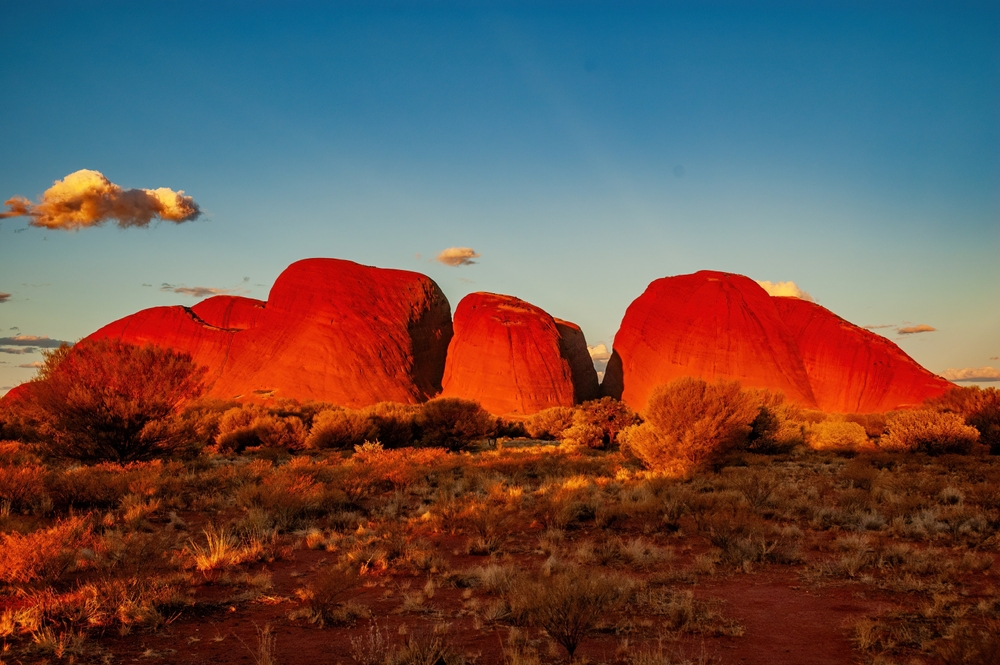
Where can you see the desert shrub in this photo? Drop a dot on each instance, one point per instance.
(21, 486)
(105, 485)
(395, 423)
(396, 469)
(44, 554)
(452, 423)
(324, 598)
(777, 426)
(933, 432)
(568, 604)
(200, 419)
(550, 423)
(253, 426)
(980, 409)
(837, 435)
(106, 400)
(873, 423)
(690, 422)
(585, 435)
(608, 414)
(341, 429)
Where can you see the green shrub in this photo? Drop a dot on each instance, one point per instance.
(932, 432)
(453, 423)
(690, 422)
(106, 400)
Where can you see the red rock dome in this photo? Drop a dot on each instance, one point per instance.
(853, 370)
(712, 325)
(331, 330)
(511, 357)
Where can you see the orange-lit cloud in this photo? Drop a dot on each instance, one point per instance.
(912, 330)
(457, 256)
(972, 374)
(784, 289)
(31, 340)
(194, 291)
(4, 297)
(86, 198)
(34, 365)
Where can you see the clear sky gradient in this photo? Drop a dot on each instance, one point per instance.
(582, 149)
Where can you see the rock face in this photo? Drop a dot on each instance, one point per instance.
(330, 330)
(853, 370)
(715, 325)
(512, 357)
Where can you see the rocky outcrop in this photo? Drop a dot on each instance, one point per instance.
(711, 325)
(514, 358)
(330, 330)
(853, 370)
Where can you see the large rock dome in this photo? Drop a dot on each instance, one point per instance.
(513, 357)
(331, 330)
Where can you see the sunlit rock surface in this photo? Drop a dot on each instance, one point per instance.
(853, 370)
(331, 330)
(513, 357)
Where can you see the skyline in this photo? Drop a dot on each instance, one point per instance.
(579, 154)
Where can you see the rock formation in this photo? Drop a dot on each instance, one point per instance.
(330, 330)
(712, 325)
(715, 325)
(853, 370)
(512, 357)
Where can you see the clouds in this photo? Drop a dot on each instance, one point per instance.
(4, 297)
(24, 344)
(86, 198)
(600, 355)
(972, 374)
(34, 365)
(458, 256)
(193, 291)
(785, 289)
(913, 330)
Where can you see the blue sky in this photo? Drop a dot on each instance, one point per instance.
(582, 149)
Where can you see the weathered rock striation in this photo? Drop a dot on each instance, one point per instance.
(853, 370)
(331, 330)
(715, 325)
(513, 357)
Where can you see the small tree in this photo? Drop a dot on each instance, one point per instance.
(107, 400)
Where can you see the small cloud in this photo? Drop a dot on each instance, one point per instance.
(457, 256)
(18, 350)
(600, 355)
(34, 365)
(32, 340)
(994, 357)
(86, 198)
(4, 297)
(912, 330)
(972, 374)
(194, 291)
(144, 284)
(785, 290)
(880, 326)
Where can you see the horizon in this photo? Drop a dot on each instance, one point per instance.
(578, 154)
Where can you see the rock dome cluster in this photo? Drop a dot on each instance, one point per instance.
(336, 331)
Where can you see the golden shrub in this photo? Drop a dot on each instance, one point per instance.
(549, 423)
(838, 435)
(932, 432)
(341, 429)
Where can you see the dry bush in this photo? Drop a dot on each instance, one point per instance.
(569, 604)
(254, 426)
(453, 423)
(341, 429)
(932, 432)
(105, 485)
(873, 423)
(838, 435)
(683, 613)
(324, 598)
(980, 408)
(288, 494)
(777, 427)
(607, 414)
(21, 486)
(392, 470)
(549, 424)
(585, 435)
(108, 400)
(690, 423)
(395, 423)
(43, 555)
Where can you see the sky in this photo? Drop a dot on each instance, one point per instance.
(581, 150)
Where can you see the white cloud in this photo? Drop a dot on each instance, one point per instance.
(34, 365)
(972, 374)
(600, 355)
(458, 256)
(785, 290)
